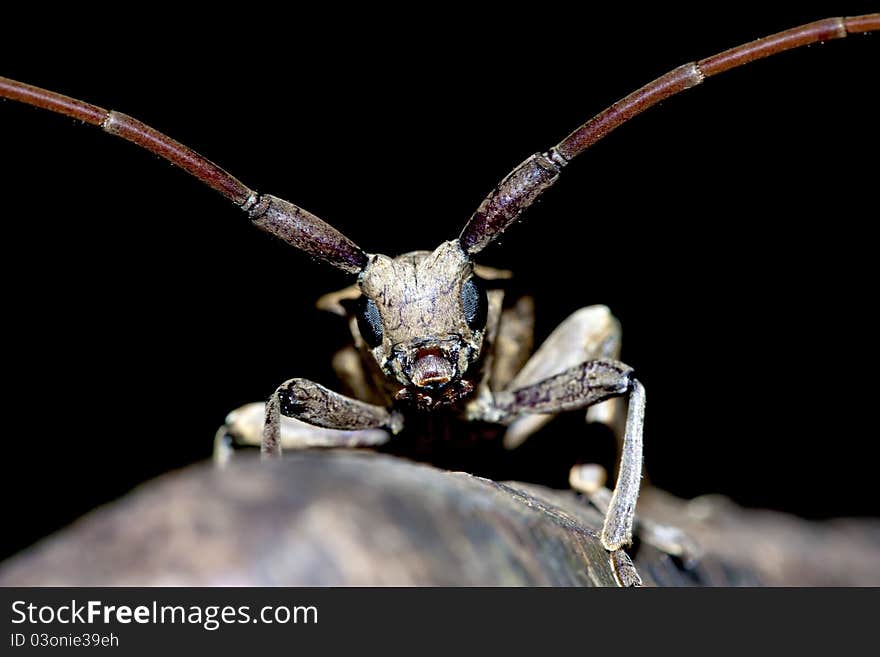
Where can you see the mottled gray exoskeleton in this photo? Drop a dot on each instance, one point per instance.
(433, 331)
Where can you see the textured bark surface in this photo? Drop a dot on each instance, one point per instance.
(357, 518)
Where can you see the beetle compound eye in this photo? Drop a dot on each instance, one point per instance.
(369, 322)
(475, 303)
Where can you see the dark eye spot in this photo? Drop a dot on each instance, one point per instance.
(475, 303)
(369, 322)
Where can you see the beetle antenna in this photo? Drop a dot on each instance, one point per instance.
(281, 218)
(527, 181)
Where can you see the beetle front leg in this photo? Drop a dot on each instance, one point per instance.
(244, 427)
(617, 530)
(314, 404)
(579, 387)
(589, 479)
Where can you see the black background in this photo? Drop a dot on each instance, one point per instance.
(727, 229)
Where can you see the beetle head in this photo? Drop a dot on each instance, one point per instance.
(422, 316)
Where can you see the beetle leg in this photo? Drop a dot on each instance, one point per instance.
(513, 342)
(617, 530)
(624, 569)
(316, 405)
(589, 479)
(244, 427)
(579, 387)
(224, 446)
(589, 333)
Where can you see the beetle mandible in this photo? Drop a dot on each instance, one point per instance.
(433, 331)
